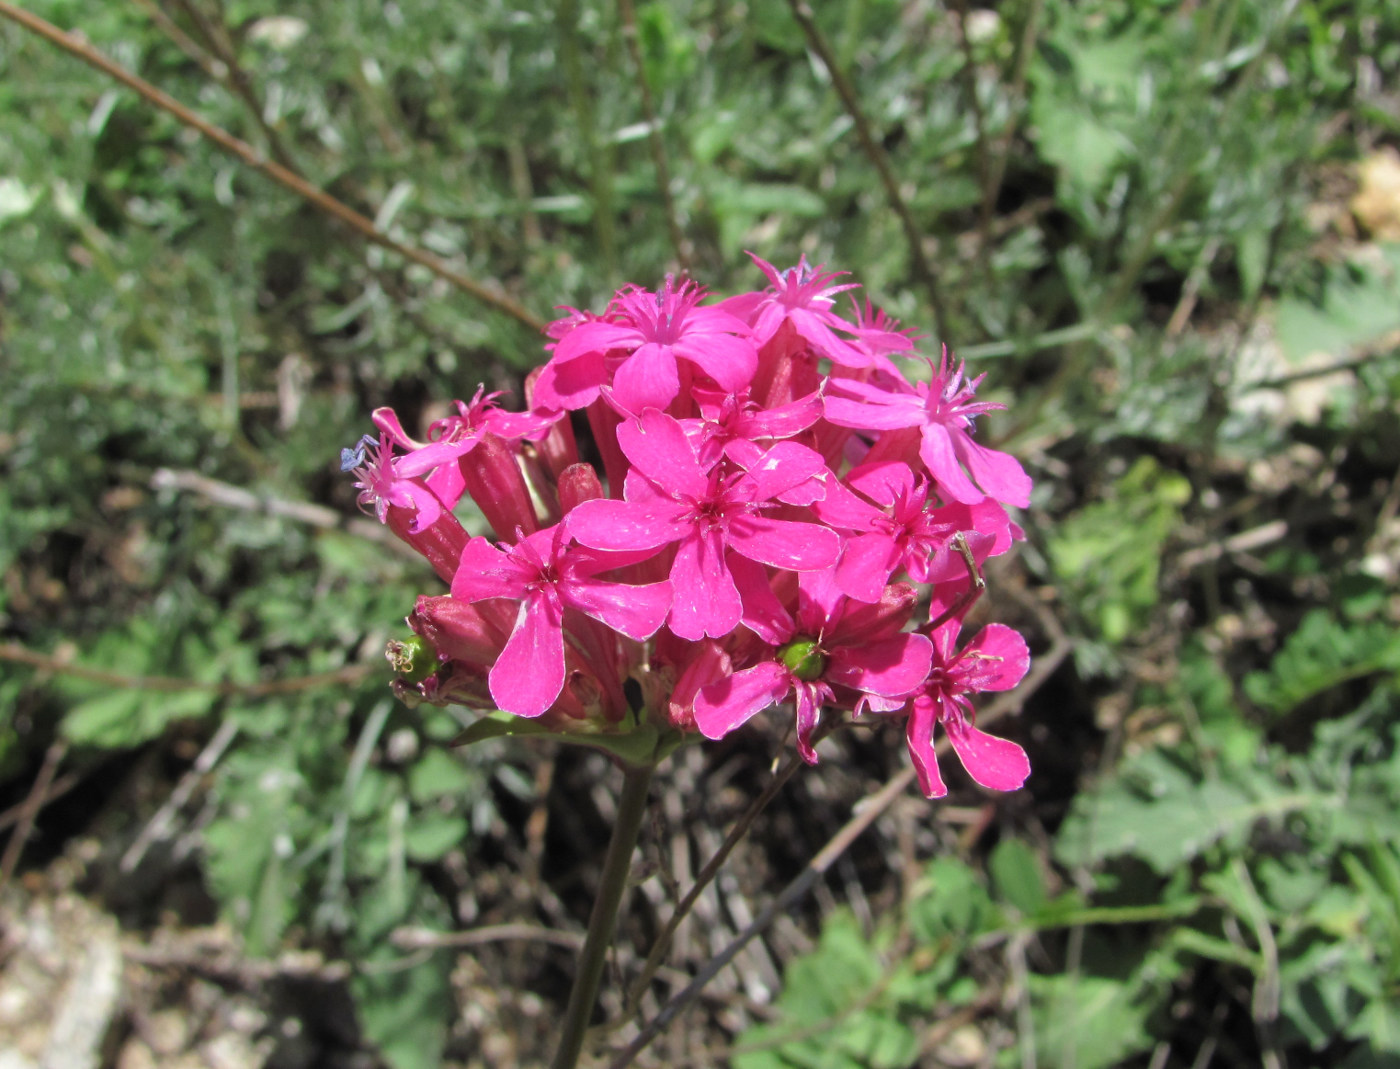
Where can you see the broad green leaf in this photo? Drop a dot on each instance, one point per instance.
(431, 835)
(1159, 809)
(1087, 1021)
(1323, 653)
(436, 774)
(122, 718)
(1015, 871)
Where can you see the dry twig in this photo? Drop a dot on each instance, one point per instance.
(38, 794)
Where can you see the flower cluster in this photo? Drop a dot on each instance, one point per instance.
(765, 509)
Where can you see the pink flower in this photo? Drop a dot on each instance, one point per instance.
(382, 484)
(913, 538)
(656, 329)
(827, 645)
(732, 422)
(942, 411)
(996, 659)
(802, 297)
(547, 576)
(879, 333)
(671, 497)
(453, 437)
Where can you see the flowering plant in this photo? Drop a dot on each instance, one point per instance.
(766, 496)
(766, 509)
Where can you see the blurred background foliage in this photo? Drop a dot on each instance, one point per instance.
(1170, 235)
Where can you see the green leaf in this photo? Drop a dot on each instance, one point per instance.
(431, 835)
(951, 902)
(642, 745)
(1323, 653)
(499, 725)
(248, 850)
(1110, 552)
(404, 1005)
(1360, 301)
(1015, 872)
(1089, 1022)
(1161, 810)
(123, 718)
(437, 774)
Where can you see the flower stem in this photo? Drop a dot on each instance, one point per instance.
(602, 923)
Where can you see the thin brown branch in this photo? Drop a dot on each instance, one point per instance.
(160, 825)
(38, 794)
(865, 815)
(57, 789)
(654, 138)
(1367, 355)
(236, 497)
(75, 45)
(425, 938)
(17, 654)
(923, 271)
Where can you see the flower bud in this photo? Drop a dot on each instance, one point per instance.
(578, 483)
(497, 486)
(441, 543)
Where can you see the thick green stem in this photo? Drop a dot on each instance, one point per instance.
(602, 924)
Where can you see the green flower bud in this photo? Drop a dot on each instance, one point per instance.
(803, 658)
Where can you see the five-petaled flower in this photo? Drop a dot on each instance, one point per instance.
(996, 659)
(547, 577)
(942, 412)
(671, 498)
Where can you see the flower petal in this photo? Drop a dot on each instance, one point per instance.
(865, 566)
(730, 361)
(809, 697)
(657, 444)
(998, 764)
(891, 667)
(789, 544)
(938, 454)
(871, 409)
(999, 474)
(529, 674)
(647, 379)
(705, 600)
(637, 611)
(764, 613)
(595, 336)
(723, 706)
(572, 384)
(786, 465)
(996, 659)
(622, 525)
(918, 736)
(485, 571)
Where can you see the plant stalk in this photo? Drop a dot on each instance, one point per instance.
(602, 923)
